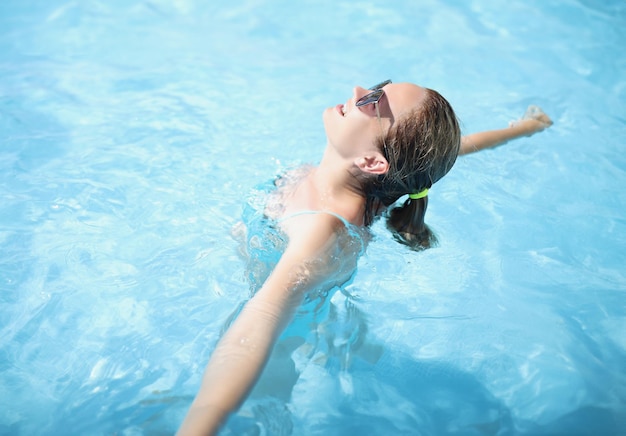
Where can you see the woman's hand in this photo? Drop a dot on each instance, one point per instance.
(533, 121)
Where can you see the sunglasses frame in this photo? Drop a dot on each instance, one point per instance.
(374, 96)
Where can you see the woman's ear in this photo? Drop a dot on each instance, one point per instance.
(373, 163)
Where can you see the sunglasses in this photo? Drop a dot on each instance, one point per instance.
(374, 96)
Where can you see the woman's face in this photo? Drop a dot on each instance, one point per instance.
(352, 130)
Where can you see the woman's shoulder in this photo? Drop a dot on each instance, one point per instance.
(324, 231)
(312, 224)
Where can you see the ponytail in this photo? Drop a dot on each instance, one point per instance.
(406, 222)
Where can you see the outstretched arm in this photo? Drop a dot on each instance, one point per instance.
(243, 351)
(239, 359)
(535, 120)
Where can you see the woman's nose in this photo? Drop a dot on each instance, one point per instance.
(359, 92)
(368, 109)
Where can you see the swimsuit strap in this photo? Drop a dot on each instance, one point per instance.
(311, 212)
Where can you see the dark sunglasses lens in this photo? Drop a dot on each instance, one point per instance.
(380, 85)
(372, 97)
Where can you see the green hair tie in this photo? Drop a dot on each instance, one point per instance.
(416, 196)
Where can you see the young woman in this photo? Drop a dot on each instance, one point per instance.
(382, 144)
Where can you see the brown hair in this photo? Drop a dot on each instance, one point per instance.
(421, 148)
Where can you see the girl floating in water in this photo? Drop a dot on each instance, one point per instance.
(383, 143)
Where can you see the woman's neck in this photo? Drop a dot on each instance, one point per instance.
(335, 187)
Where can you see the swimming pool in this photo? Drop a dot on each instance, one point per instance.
(133, 132)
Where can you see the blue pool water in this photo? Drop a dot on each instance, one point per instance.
(132, 133)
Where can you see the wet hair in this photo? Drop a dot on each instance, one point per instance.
(420, 148)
